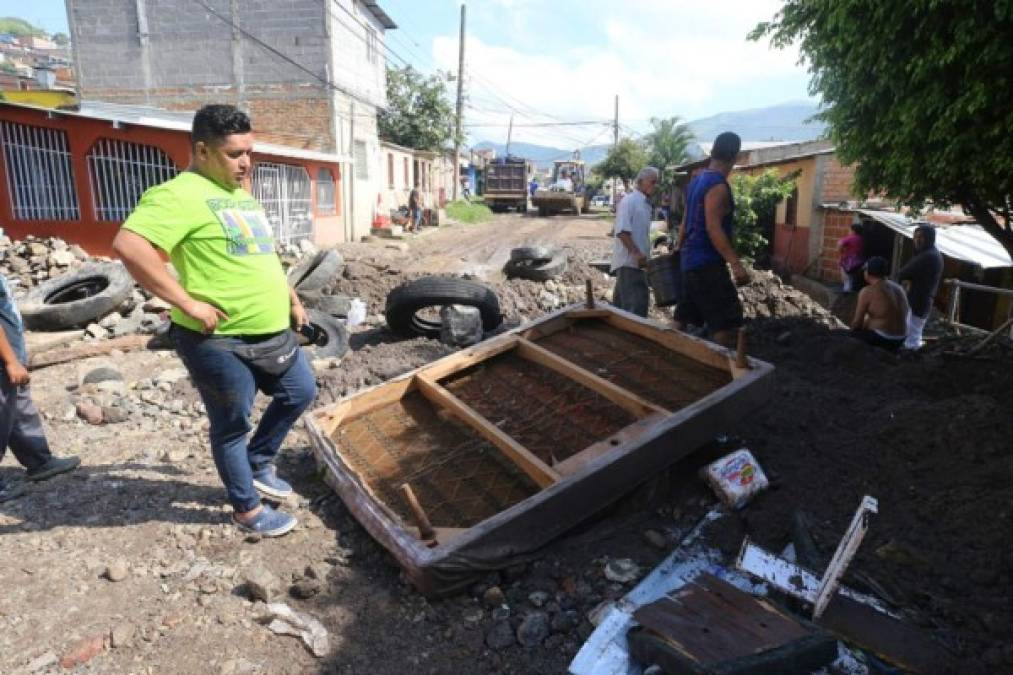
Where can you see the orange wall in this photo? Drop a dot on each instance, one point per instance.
(96, 236)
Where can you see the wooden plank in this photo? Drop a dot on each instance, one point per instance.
(539, 472)
(362, 402)
(42, 341)
(614, 443)
(717, 357)
(468, 357)
(627, 400)
(547, 327)
(418, 513)
(588, 313)
(126, 343)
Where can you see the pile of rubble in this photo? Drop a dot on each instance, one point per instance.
(30, 261)
(767, 297)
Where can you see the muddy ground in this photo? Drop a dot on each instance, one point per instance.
(927, 436)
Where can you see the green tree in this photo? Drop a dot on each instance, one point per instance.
(61, 39)
(754, 196)
(419, 114)
(917, 94)
(19, 27)
(667, 143)
(624, 161)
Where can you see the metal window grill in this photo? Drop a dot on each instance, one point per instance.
(326, 204)
(361, 159)
(120, 172)
(284, 192)
(39, 173)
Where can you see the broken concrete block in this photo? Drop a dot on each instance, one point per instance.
(461, 325)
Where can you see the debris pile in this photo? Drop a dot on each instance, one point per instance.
(767, 297)
(27, 262)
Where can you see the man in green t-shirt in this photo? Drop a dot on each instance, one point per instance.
(231, 298)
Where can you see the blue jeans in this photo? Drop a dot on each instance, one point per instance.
(227, 386)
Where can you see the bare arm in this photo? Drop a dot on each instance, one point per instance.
(299, 316)
(627, 241)
(15, 370)
(144, 264)
(717, 205)
(858, 323)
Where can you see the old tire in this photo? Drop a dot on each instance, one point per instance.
(77, 299)
(542, 212)
(332, 305)
(537, 271)
(332, 342)
(536, 254)
(405, 301)
(314, 272)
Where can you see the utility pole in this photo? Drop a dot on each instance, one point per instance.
(510, 133)
(460, 106)
(615, 143)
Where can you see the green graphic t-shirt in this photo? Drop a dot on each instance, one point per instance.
(220, 243)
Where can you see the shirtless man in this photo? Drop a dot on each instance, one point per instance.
(882, 312)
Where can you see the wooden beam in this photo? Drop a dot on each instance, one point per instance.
(548, 327)
(126, 343)
(627, 400)
(614, 443)
(363, 402)
(418, 513)
(716, 357)
(538, 470)
(449, 365)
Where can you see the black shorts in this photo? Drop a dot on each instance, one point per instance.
(709, 298)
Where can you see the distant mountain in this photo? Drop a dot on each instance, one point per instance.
(544, 155)
(784, 122)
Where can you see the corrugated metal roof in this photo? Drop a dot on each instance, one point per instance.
(174, 120)
(969, 242)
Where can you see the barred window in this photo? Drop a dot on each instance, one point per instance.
(39, 173)
(372, 48)
(361, 160)
(326, 203)
(284, 192)
(120, 172)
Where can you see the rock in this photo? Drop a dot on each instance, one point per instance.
(117, 571)
(95, 331)
(547, 301)
(493, 597)
(533, 629)
(621, 570)
(239, 667)
(171, 376)
(551, 286)
(114, 387)
(114, 414)
(318, 571)
(42, 662)
(283, 620)
(564, 622)
(122, 635)
(538, 598)
(500, 636)
(461, 325)
(89, 412)
(155, 305)
(305, 589)
(656, 539)
(37, 249)
(78, 252)
(307, 247)
(261, 584)
(61, 259)
(356, 270)
(102, 374)
(111, 320)
(82, 651)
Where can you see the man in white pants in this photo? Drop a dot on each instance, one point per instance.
(920, 277)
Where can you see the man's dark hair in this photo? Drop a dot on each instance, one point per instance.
(726, 147)
(214, 122)
(857, 228)
(877, 266)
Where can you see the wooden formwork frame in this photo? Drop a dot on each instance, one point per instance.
(440, 560)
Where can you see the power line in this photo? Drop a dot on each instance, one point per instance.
(543, 124)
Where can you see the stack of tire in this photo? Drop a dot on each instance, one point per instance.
(537, 263)
(326, 313)
(77, 299)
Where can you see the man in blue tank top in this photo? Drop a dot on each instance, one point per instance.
(705, 244)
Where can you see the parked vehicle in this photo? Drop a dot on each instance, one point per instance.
(566, 191)
(600, 200)
(506, 184)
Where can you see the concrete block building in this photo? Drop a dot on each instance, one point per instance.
(311, 73)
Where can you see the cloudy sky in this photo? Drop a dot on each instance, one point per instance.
(546, 61)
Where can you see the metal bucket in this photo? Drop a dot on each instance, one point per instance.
(665, 277)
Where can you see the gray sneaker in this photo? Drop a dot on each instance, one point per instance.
(54, 467)
(9, 491)
(268, 523)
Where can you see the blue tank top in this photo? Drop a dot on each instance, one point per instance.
(697, 250)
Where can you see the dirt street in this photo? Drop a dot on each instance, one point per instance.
(130, 565)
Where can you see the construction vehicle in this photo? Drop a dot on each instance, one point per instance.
(506, 184)
(565, 192)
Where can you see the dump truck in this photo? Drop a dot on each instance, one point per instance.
(506, 184)
(565, 192)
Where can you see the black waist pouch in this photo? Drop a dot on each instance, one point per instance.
(273, 355)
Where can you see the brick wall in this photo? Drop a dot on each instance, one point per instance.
(836, 181)
(836, 226)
